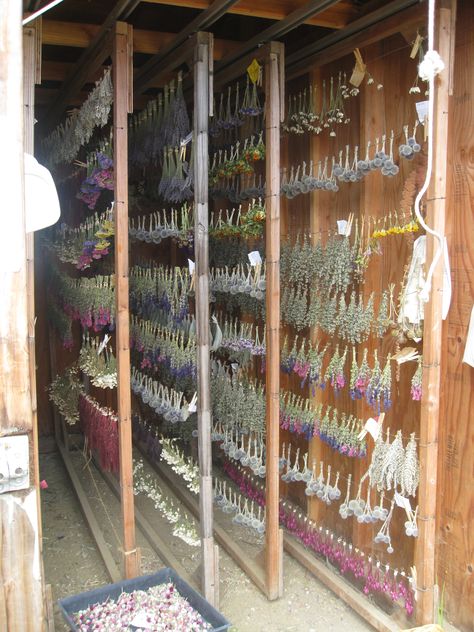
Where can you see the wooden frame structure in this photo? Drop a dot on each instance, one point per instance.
(364, 31)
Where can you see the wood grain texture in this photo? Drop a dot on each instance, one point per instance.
(274, 561)
(455, 511)
(122, 51)
(202, 45)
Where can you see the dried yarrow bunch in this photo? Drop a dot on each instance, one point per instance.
(64, 392)
(64, 143)
(184, 526)
(97, 361)
(304, 114)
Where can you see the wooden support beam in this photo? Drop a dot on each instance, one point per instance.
(160, 62)
(21, 585)
(89, 515)
(78, 35)
(378, 25)
(285, 25)
(425, 548)
(122, 82)
(91, 59)
(31, 77)
(273, 79)
(334, 18)
(202, 71)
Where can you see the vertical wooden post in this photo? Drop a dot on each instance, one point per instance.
(273, 549)
(21, 591)
(201, 240)
(30, 78)
(122, 82)
(201, 247)
(432, 343)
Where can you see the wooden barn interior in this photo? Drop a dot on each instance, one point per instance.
(245, 350)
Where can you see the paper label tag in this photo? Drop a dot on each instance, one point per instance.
(140, 621)
(254, 258)
(416, 46)
(187, 139)
(192, 407)
(343, 227)
(235, 366)
(254, 71)
(422, 110)
(402, 502)
(192, 266)
(358, 73)
(373, 428)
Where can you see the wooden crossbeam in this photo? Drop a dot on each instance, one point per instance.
(280, 28)
(78, 35)
(334, 18)
(161, 61)
(373, 27)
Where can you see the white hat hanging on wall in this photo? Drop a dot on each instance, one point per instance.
(41, 198)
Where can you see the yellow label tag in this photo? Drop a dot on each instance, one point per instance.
(254, 71)
(416, 46)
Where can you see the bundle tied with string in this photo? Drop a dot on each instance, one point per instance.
(100, 427)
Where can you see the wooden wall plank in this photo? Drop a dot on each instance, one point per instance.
(21, 587)
(455, 528)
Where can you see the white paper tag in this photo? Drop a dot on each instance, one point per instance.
(343, 227)
(187, 139)
(422, 110)
(235, 366)
(403, 502)
(103, 344)
(254, 258)
(192, 266)
(192, 408)
(140, 621)
(373, 428)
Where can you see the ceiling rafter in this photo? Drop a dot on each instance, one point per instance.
(57, 33)
(91, 58)
(300, 59)
(334, 18)
(159, 62)
(279, 29)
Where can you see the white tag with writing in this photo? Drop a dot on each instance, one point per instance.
(192, 266)
(254, 258)
(422, 110)
(343, 227)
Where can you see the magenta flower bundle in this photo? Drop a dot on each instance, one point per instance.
(324, 543)
(101, 178)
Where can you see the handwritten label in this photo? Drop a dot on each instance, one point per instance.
(254, 71)
(416, 46)
(422, 110)
(254, 258)
(343, 227)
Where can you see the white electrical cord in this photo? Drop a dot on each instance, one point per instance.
(431, 65)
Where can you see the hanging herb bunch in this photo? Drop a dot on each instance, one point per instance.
(100, 176)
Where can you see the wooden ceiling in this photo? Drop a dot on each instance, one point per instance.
(75, 29)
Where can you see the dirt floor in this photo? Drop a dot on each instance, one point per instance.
(72, 563)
